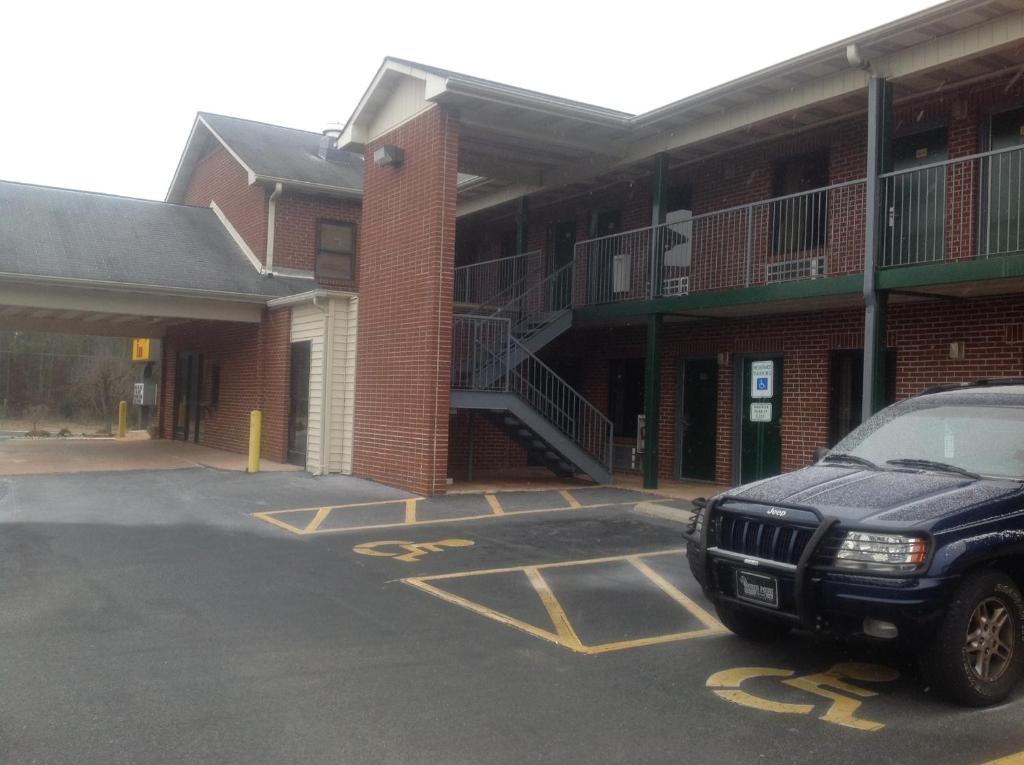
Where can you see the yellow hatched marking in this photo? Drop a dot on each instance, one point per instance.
(569, 498)
(495, 505)
(677, 595)
(271, 516)
(410, 510)
(559, 564)
(562, 626)
(564, 634)
(1012, 759)
(477, 608)
(314, 524)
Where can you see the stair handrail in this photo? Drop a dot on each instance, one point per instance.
(534, 382)
(554, 293)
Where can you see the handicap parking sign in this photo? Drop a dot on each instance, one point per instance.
(762, 379)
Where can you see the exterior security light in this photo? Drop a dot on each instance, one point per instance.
(388, 156)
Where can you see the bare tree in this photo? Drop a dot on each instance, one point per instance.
(102, 382)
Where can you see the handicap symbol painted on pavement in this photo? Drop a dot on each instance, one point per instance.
(407, 552)
(841, 711)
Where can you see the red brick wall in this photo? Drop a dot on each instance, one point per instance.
(919, 333)
(219, 178)
(296, 222)
(493, 451)
(405, 308)
(254, 374)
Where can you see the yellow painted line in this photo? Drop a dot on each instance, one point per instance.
(339, 507)
(677, 595)
(1011, 759)
(559, 564)
(269, 516)
(410, 510)
(496, 507)
(563, 628)
(314, 524)
(674, 637)
(569, 498)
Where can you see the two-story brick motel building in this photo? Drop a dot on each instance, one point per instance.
(469, 278)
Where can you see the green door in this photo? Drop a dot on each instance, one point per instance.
(1002, 231)
(564, 249)
(915, 202)
(698, 419)
(760, 418)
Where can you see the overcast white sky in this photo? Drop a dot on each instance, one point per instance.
(101, 95)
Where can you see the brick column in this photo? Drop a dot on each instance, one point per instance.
(406, 276)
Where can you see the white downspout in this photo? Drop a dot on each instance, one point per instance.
(271, 215)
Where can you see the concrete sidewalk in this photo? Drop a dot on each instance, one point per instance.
(37, 456)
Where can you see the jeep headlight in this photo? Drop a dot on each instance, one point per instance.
(886, 553)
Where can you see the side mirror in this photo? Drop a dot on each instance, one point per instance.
(820, 453)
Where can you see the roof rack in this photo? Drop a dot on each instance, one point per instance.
(981, 382)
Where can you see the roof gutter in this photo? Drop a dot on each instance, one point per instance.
(307, 186)
(307, 297)
(150, 289)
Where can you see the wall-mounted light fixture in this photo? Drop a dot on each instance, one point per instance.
(958, 351)
(388, 156)
(723, 358)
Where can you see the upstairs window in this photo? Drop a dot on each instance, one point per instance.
(336, 251)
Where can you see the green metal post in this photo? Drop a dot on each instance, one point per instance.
(658, 210)
(875, 300)
(652, 400)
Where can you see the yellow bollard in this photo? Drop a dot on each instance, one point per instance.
(255, 426)
(122, 419)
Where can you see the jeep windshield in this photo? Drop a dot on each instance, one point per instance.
(936, 434)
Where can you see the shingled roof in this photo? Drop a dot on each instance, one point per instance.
(56, 233)
(270, 153)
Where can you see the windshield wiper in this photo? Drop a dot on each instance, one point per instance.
(943, 467)
(850, 458)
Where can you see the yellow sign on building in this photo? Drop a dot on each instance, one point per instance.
(140, 349)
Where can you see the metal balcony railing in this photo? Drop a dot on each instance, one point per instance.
(799, 236)
(481, 343)
(494, 280)
(952, 210)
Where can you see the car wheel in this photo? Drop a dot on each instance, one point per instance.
(977, 654)
(750, 626)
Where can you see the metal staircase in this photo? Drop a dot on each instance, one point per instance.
(495, 369)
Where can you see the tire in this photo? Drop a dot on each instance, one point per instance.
(976, 656)
(750, 626)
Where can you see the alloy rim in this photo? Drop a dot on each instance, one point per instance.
(989, 647)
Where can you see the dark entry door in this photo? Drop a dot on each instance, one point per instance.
(698, 420)
(916, 201)
(564, 248)
(1002, 232)
(188, 388)
(760, 418)
(298, 409)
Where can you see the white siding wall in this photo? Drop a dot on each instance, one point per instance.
(309, 322)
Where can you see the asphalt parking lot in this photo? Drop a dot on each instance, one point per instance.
(204, 616)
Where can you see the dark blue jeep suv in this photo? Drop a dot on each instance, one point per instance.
(911, 528)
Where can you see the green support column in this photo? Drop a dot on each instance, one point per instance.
(658, 210)
(875, 300)
(652, 400)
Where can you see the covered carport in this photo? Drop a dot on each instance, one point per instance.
(81, 263)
